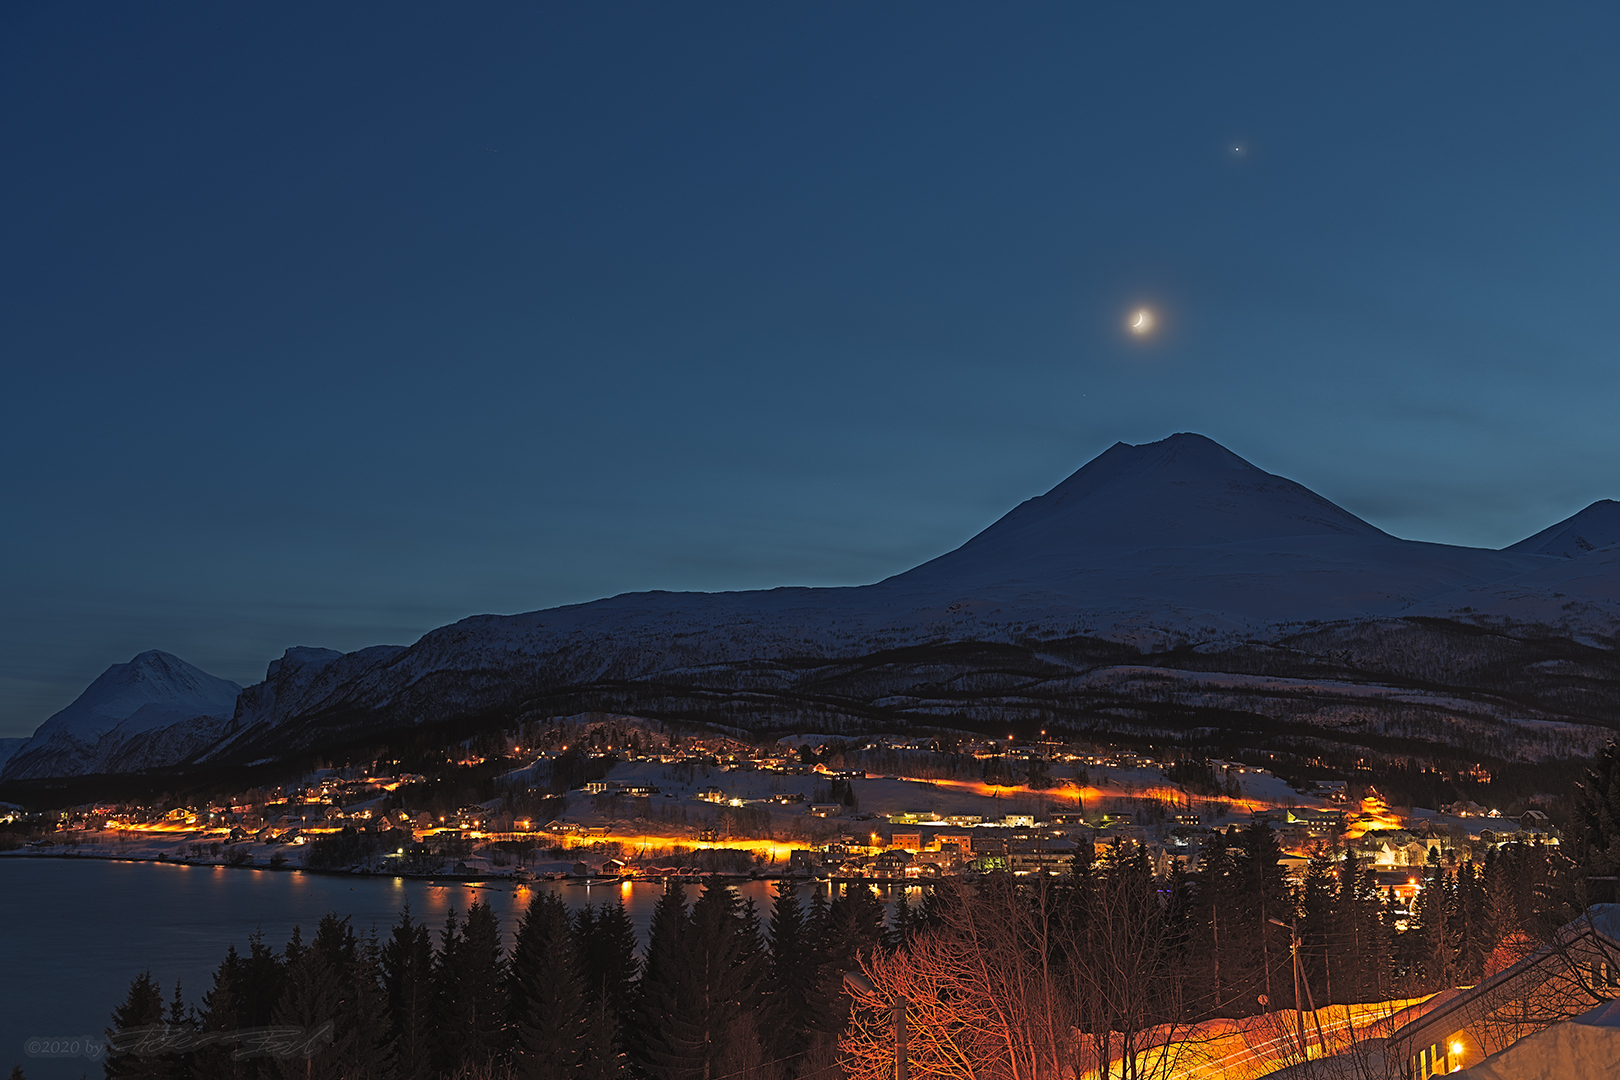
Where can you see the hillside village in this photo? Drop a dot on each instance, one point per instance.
(599, 797)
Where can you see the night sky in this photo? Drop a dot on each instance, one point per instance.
(329, 327)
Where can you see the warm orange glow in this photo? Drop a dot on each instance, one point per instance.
(1374, 814)
(1072, 792)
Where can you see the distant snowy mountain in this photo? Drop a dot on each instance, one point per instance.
(154, 711)
(1598, 526)
(1114, 599)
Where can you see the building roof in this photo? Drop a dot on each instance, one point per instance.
(1600, 922)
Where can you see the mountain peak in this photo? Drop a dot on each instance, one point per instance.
(154, 690)
(1184, 491)
(153, 677)
(1597, 526)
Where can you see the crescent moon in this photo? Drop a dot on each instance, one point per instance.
(1141, 319)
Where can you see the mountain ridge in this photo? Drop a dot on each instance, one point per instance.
(1145, 545)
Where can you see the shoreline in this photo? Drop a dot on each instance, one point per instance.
(508, 878)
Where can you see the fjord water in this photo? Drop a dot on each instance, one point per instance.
(73, 932)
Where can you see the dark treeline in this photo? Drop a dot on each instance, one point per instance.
(1061, 974)
(713, 994)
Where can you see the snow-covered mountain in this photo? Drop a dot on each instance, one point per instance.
(1598, 526)
(154, 711)
(1177, 549)
(1183, 534)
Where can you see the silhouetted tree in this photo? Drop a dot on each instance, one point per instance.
(407, 974)
(543, 992)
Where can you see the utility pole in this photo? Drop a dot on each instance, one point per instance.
(860, 985)
(1299, 980)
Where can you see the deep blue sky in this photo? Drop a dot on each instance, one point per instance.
(327, 327)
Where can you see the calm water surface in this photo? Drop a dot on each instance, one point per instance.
(74, 932)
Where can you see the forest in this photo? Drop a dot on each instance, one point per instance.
(1095, 964)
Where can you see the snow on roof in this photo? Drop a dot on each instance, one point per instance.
(1587, 1046)
(1601, 919)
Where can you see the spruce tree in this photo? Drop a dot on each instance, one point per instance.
(179, 1020)
(1264, 896)
(142, 1008)
(715, 984)
(407, 973)
(480, 1002)
(451, 1038)
(263, 973)
(1320, 925)
(606, 941)
(660, 986)
(792, 976)
(1218, 936)
(543, 992)
(902, 925)
(1472, 946)
(369, 1012)
(1597, 815)
(221, 1011)
(310, 1000)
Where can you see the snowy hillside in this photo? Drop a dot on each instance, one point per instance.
(1178, 541)
(153, 711)
(1598, 526)
(1174, 555)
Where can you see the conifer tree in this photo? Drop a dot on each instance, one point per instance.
(543, 992)
(368, 1012)
(792, 976)
(263, 973)
(902, 925)
(1597, 815)
(221, 1011)
(1266, 893)
(1320, 925)
(311, 999)
(606, 942)
(1219, 936)
(407, 972)
(753, 955)
(611, 960)
(450, 1039)
(180, 1019)
(660, 987)
(1433, 951)
(480, 1005)
(1501, 906)
(1472, 935)
(714, 984)
(854, 925)
(142, 1008)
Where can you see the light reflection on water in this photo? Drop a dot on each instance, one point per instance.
(74, 932)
